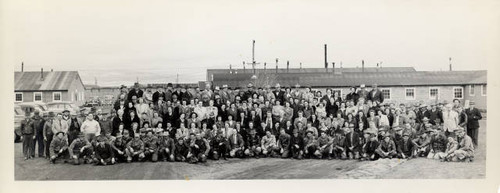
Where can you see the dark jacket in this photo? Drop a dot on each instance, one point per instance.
(376, 95)
(105, 152)
(473, 118)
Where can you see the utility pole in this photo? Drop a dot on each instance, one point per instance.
(326, 59)
(276, 65)
(253, 57)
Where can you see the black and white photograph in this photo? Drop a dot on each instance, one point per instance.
(249, 90)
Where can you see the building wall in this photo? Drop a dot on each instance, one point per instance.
(446, 94)
(478, 97)
(76, 92)
(47, 96)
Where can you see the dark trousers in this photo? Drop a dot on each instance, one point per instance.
(28, 145)
(473, 133)
(47, 145)
(41, 146)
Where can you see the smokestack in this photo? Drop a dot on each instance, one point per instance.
(333, 65)
(450, 65)
(326, 60)
(287, 65)
(362, 65)
(22, 66)
(265, 64)
(51, 70)
(244, 69)
(301, 65)
(276, 65)
(41, 78)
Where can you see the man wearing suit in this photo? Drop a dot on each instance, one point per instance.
(362, 92)
(375, 95)
(279, 94)
(474, 116)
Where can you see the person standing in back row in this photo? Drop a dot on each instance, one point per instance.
(474, 116)
(28, 137)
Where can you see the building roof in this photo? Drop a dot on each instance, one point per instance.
(52, 81)
(314, 70)
(346, 79)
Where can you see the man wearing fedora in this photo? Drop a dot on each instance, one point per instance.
(38, 123)
(47, 133)
(474, 116)
(28, 136)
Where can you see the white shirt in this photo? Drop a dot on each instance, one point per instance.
(89, 127)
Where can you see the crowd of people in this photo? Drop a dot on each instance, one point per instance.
(193, 125)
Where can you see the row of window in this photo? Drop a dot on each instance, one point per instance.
(37, 96)
(56, 96)
(458, 92)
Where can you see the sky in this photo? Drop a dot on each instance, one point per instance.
(120, 41)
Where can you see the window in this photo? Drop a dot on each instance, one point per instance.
(18, 97)
(433, 93)
(56, 96)
(410, 94)
(472, 92)
(483, 90)
(458, 93)
(37, 96)
(386, 92)
(337, 90)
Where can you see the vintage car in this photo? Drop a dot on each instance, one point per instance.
(59, 107)
(18, 118)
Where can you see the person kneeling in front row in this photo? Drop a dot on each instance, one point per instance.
(135, 149)
(81, 148)
(58, 147)
(103, 152)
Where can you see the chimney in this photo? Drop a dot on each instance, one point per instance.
(333, 65)
(244, 69)
(22, 66)
(41, 78)
(301, 65)
(276, 65)
(326, 60)
(362, 65)
(265, 64)
(287, 65)
(450, 65)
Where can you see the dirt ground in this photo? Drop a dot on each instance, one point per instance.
(264, 168)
